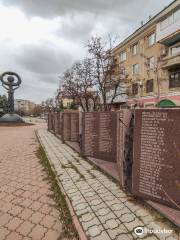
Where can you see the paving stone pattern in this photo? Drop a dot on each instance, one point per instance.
(26, 211)
(103, 209)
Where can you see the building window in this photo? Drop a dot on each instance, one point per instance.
(123, 56)
(123, 73)
(164, 24)
(135, 68)
(151, 39)
(151, 63)
(174, 80)
(175, 50)
(149, 85)
(134, 49)
(135, 88)
(177, 15)
(170, 19)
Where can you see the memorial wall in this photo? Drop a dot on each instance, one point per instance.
(70, 126)
(51, 121)
(144, 143)
(66, 127)
(56, 123)
(60, 124)
(156, 160)
(99, 134)
(124, 147)
(75, 127)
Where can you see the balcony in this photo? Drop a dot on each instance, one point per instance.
(171, 61)
(171, 39)
(167, 30)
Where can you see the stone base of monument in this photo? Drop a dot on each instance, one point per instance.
(11, 118)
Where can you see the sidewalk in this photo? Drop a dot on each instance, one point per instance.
(103, 209)
(26, 211)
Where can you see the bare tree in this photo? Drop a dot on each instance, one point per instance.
(79, 85)
(106, 71)
(95, 82)
(48, 105)
(36, 111)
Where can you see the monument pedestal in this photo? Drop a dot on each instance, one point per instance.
(11, 118)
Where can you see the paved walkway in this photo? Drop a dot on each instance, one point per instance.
(26, 211)
(104, 210)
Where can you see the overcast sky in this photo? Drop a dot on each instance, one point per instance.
(39, 39)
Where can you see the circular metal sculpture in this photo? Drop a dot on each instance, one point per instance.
(10, 81)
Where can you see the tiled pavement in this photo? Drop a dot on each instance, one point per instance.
(104, 210)
(26, 211)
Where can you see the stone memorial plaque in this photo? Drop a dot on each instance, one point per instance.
(99, 135)
(60, 123)
(66, 131)
(89, 133)
(156, 162)
(107, 136)
(56, 122)
(51, 121)
(123, 147)
(70, 126)
(74, 127)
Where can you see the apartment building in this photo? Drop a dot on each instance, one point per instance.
(24, 106)
(149, 60)
(63, 100)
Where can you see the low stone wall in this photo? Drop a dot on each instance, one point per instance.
(124, 145)
(106, 136)
(143, 145)
(70, 126)
(58, 123)
(99, 135)
(51, 121)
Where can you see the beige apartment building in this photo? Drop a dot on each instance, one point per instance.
(24, 106)
(63, 100)
(149, 60)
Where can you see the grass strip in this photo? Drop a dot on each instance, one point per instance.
(69, 230)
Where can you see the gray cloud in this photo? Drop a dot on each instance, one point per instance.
(37, 90)
(77, 26)
(43, 59)
(39, 63)
(39, 67)
(120, 8)
(48, 8)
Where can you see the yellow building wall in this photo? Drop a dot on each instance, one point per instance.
(67, 102)
(141, 58)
